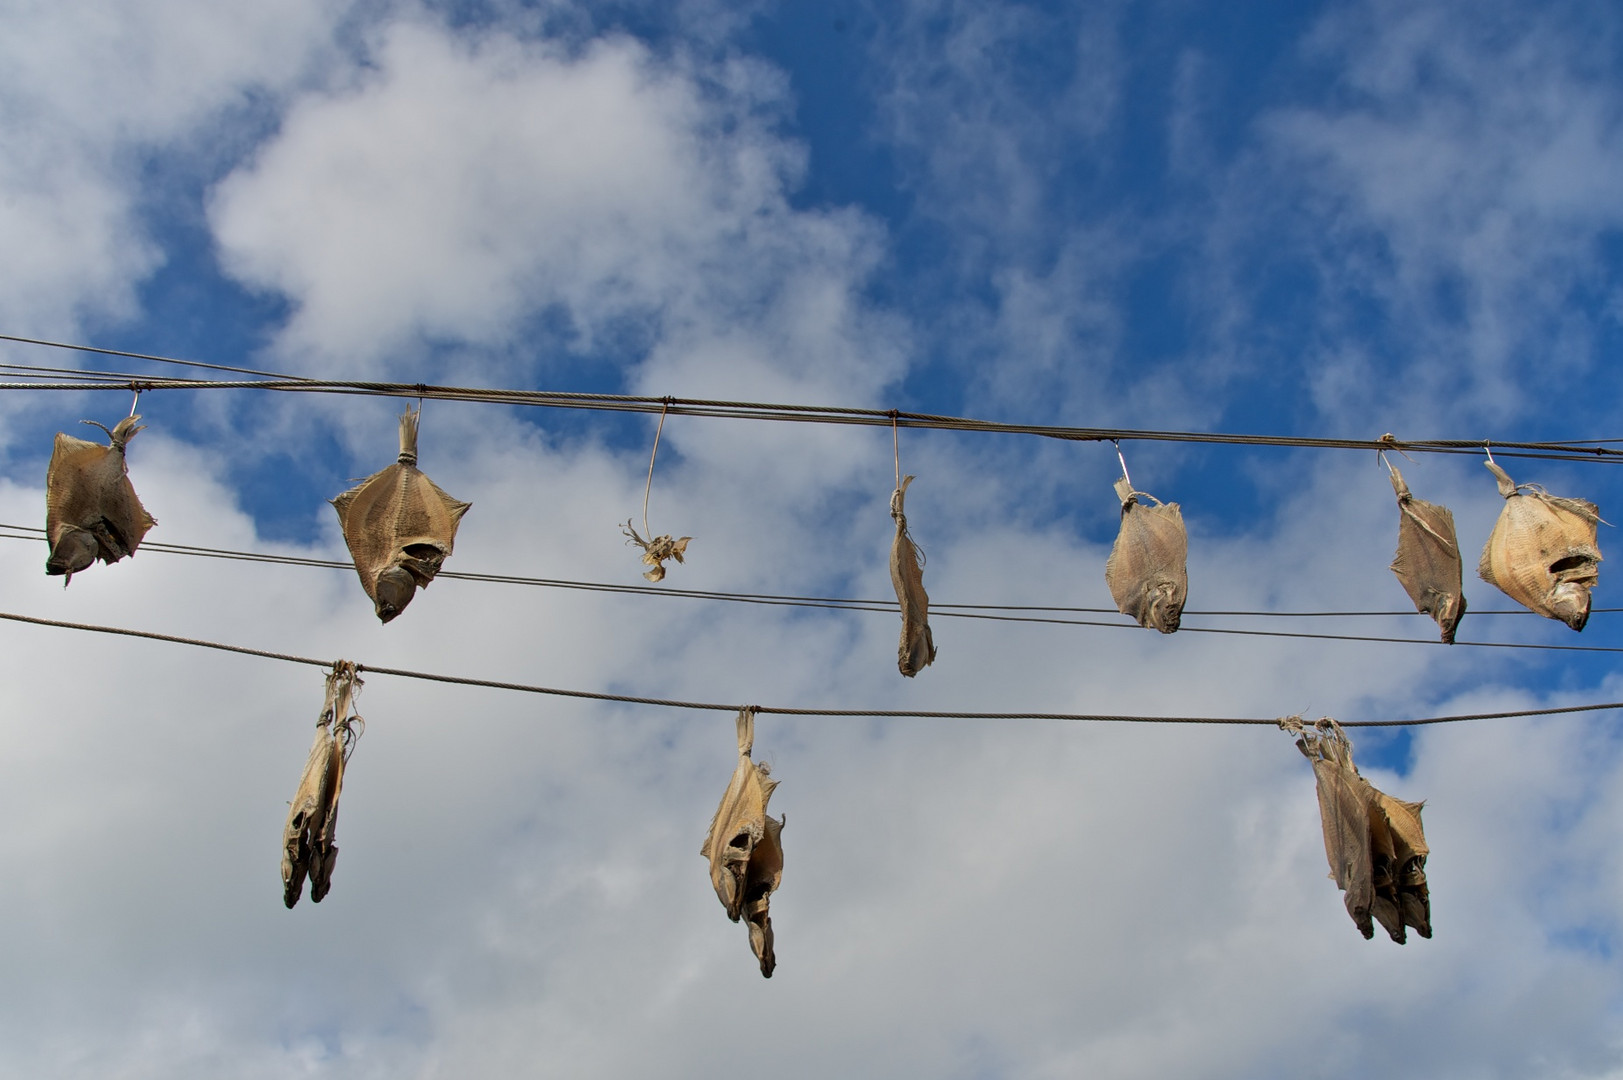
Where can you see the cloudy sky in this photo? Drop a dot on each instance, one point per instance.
(1335, 220)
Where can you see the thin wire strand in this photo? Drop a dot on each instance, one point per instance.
(1568, 450)
(985, 612)
(146, 356)
(781, 710)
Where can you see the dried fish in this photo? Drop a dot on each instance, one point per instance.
(657, 550)
(917, 648)
(91, 511)
(745, 847)
(400, 527)
(1374, 843)
(1148, 566)
(1428, 559)
(1542, 552)
(308, 847)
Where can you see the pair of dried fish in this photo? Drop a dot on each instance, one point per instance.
(308, 847)
(745, 848)
(1542, 554)
(400, 527)
(1375, 844)
(91, 510)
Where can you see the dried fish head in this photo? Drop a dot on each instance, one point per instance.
(744, 847)
(1148, 566)
(916, 649)
(399, 526)
(657, 550)
(1428, 559)
(91, 510)
(1542, 551)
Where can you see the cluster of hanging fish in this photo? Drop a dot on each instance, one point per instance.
(1375, 843)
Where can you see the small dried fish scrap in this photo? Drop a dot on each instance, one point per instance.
(308, 847)
(1542, 552)
(744, 846)
(91, 511)
(657, 550)
(1375, 844)
(400, 527)
(917, 648)
(1428, 559)
(1148, 566)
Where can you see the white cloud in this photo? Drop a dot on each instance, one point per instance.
(465, 184)
(89, 91)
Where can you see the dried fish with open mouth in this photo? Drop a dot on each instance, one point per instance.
(308, 848)
(657, 550)
(1375, 845)
(745, 848)
(1148, 566)
(917, 648)
(91, 511)
(1542, 551)
(400, 527)
(1428, 559)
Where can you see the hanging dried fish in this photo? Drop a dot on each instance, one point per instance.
(917, 648)
(745, 848)
(1542, 552)
(308, 848)
(91, 511)
(1428, 559)
(400, 527)
(1375, 845)
(1148, 566)
(657, 550)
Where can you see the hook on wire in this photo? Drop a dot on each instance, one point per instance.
(1117, 444)
(896, 444)
(1487, 448)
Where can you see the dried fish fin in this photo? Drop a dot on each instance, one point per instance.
(744, 848)
(309, 847)
(1542, 552)
(1428, 560)
(917, 647)
(91, 509)
(1147, 570)
(400, 527)
(657, 550)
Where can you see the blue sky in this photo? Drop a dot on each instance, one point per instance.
(1316, 220)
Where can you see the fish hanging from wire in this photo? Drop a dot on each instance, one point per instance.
(1428, 558)
(916, 649)
(1375, 844)
(400, 527)
(91, 510)
(1542, 551)
(656, 550)
(308, 847)
(1147, 570)
(745, 848)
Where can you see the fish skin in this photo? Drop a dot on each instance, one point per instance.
(1428, 562)
(1542, 552)
(91, 509)
(400, 527)
(1147, 570)
(916, 650)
